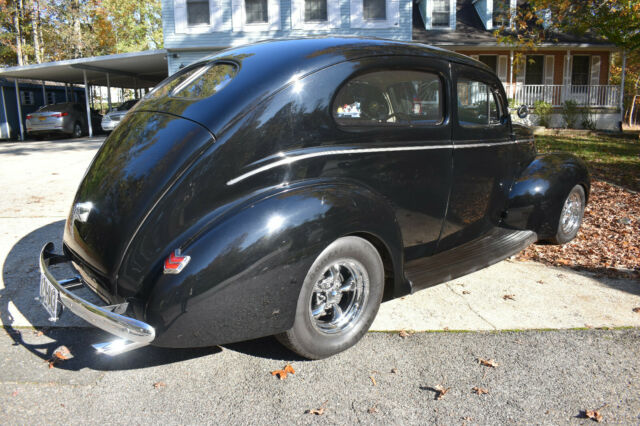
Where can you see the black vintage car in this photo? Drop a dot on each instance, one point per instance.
(288, 188)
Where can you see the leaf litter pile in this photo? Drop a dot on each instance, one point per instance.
(609, 240)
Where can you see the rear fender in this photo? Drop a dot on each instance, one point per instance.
(537, 196)
(247, 268)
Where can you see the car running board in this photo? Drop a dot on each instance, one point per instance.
(492, 247)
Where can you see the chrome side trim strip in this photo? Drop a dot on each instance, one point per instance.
(346, 151)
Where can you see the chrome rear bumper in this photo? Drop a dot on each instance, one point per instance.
(134, 333)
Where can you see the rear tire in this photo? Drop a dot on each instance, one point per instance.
(77, 130)
(570, 216)
(338, 301)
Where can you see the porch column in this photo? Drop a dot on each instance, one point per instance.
(511, 87)
(15, 83)
(622, 77)
(86, 103)
(4, 110)
(566, 77)
(44, 94)
(108, 93)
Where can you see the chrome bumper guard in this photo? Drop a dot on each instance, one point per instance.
(132, 333)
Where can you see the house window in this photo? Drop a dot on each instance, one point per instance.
(51, 98)
(256, 15)
(374, 9)
(198, 13)
(257, 11)
(374, 13)
(315, 10)
(580, 70)
(490, 60)
(534, 71)
(500, 13)
(26, 98)
(440, 14)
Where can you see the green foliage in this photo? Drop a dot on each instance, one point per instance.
(588, 119)
(570, 114)
(543, 110)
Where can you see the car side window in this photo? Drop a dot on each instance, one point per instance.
(477, 104)
(390, 98)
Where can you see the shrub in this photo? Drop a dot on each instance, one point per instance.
(588, 119)
(543, 110)
(570, 114)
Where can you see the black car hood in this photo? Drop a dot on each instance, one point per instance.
(136, 165)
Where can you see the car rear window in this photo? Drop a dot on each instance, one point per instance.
(394, 97)
(198, 82)
(54, 107)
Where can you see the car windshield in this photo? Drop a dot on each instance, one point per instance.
(126, 106)
(55, 107)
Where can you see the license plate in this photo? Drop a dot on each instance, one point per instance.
(42, 118)
(49, 297)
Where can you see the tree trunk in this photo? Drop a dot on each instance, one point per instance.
(16, 24)
(35, 24)
(77, 30)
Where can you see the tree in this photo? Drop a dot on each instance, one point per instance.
(536, 21)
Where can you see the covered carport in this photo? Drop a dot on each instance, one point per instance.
(126, 70)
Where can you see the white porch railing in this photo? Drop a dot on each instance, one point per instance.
(591, 95)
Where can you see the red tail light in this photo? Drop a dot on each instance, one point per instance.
(64, 114)
(29, 117)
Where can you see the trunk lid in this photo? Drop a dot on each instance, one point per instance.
(131, 172)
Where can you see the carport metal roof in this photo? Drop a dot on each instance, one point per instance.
(127, 70)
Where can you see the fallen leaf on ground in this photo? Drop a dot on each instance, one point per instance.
(509, 297)
(594, 415)
(15, 393)
(441, 391)
(373, 409)
(466, 292)
(488, 362)
(373, 380)
(282, 374)
(404, 334)
(318, 411)
(159, 385)
(636, 310)
(540, 282)
(394, 370)
(62, 353)
(480, 391)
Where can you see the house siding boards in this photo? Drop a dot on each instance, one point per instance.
(193, 46)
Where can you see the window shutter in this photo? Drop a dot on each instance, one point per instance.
(237, 15)
(215, 13)
(595, 70)
(549, 62)
(333, 13)
(567, 70)
(502, 68)
(180, 16)
(274, 15)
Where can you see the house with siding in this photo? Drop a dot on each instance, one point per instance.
(567, 68)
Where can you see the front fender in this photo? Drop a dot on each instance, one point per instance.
(538, 194)
(247, 268)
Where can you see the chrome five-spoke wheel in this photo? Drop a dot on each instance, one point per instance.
(339, 299)
(571, 215)
(339, 296)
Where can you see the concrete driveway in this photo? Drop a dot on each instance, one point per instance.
(38, 181)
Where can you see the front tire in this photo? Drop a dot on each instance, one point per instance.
(570, 216)
(338, 301)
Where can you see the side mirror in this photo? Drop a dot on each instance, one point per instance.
(523, 111)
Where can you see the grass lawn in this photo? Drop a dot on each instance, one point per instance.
(611, 158)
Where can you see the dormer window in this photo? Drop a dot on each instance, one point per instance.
(440, 14)
(500, 13)
(315, 14)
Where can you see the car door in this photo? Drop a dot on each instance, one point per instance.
(396, 113)
(482, 156)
